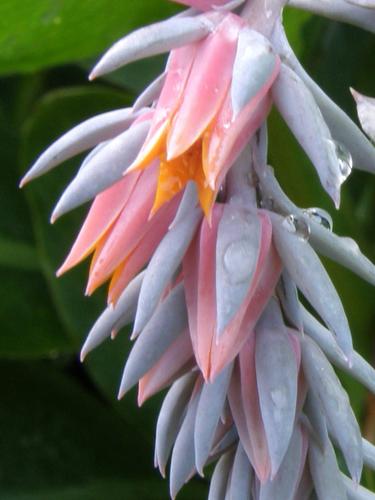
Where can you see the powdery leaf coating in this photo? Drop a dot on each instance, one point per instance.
(285, 483)
(103, 170)
(276, 371)
(166, 324)
(151, 40)
(183, 454)
(210, 409)
(113, 318)
(325, 472)
(341, 422)
(237, 253)
(303, 116)
(254, 66)
(84, 136)
(220, 477)
(241, 477)
(170, 418)
(366, 111)
(312, 279)
(163, 265)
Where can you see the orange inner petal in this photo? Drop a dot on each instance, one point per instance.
(174, 175)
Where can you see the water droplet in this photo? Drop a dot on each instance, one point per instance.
(221, 195)
(238, 259)
(320, 216)
(344, 158)
(351, 244)
(296, 225)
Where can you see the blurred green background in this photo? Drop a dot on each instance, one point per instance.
(63, 434)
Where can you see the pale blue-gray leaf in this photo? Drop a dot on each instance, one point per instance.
(288, 295)
(170, 417)
(114, 317)
(366, 112)
(342, 128)
(325, 472)
(360, 369)
(285, 483)
(151, 40)
(312, 279)
(317, 419)
(166, 324)
(150, 94)
(303, 116)
(163, 265)
(276, 370)
(189, 199)
(183, 455)
(241, 477)
(341, 422)
(220, 477)
(84, 136)
(253, 66)
(237, 251)
(210, 408)
(339, 11)
(355, 491)
(104, 169)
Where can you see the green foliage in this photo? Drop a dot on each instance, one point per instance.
(63, 434)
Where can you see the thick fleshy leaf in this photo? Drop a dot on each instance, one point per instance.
(241, 422)
(284, 485)
(276, 372)
(241, 476)
(303, 116)
(169, 320)
(325, 472)
(84, 136)
(220, 477)
(311, 278)
(267, 274)
(341, 422)
(189, 199)
(183, 455)
(170, 418)
(224, 143)
(360, 369)
(288, 295)
(254, 65)
(366, 112)
(151, 93)
(237, 255)
(251, 407)
(151, 40)
(317, 420)
(104, 169)
(163, 265)
(339, 11)
(342, 128)
(176, 361)
(356, 491)
(113, 318)
(210, 408)
(206, 87)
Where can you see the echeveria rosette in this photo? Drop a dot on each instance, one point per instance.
(207, 256)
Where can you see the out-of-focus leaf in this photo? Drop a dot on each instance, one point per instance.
(18, 254)
(36, 34)
(29, 324)
(56, 435)
(54, 114)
